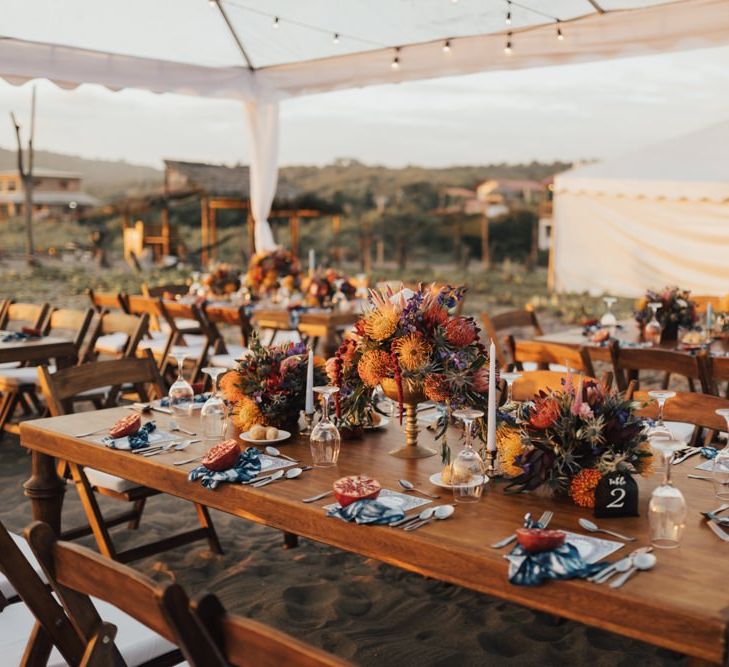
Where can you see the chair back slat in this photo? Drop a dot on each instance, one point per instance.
(63, 385)
(627, 360)
(231, 316)
(108, 301)
(134, 327)
(25, 314)
(68, 320)
(687, 407)
(716, 369)
(532, 382)
(544, 354)
(36, 596)
(173, 289)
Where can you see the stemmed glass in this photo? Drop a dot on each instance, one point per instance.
(652, 331)
(325, 440)
(667, 506)
(659, 429)
(510, 378)
(181, 394)
(608, 320)
(214, 412)
(720, 465)
(468, 471)
(379, 397)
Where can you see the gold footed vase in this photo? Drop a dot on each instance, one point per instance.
(412, 394)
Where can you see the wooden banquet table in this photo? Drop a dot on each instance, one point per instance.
(39, 349)
(629, 333)
(683, 604)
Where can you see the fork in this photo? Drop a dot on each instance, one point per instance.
(182, 463)
(319, 496)
(176, 446)
(86, 435)
(543, 522)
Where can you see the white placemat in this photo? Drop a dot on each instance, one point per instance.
(592, 549)
(407, 501)
(155, 437)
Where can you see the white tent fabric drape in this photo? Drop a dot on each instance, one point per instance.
(262, 124)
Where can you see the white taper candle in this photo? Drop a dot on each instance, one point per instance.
(491, 423)
(309, 403)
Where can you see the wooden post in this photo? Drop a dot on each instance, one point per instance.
(26, 177)
(251, 234)
(295, 231)
(212, 221)
(204, 228)
(165, 228)
(485, 250)
(336, 249)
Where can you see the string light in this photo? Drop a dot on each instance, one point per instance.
(212, 3)
(507, 47)
(276, 22)
(508, 12)
(395, 64)
(447, 46)
(560, 36)
(335, 39)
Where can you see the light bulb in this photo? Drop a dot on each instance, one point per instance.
(395, 64)
(507, 48)
(276, 22)
(447, 46)
(560, 36)
(508, 18)
(335, 39)
(212, 3)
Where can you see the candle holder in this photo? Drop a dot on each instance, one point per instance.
(492, 467)
(308, 424)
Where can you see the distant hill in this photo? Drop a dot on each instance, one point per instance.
(344, 179)
(102, 178)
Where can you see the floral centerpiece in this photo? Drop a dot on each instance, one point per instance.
(565, 441)
(268, 386)
(222, 280)
(412, 345)
(676, 310)
(321, 288)
(270, 270)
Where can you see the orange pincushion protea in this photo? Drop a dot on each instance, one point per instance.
(229, 387)
(413, 352)
(460, 331)
(373, 366)
(544, 413)
(381, 324)
(510, 446)
(247, 414)
(436, 388)
(583, 485)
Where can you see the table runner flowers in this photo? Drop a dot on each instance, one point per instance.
(223, 280)
(676, 310)
(325, 288)
(268, 385)
(270, 270)
(569, 439)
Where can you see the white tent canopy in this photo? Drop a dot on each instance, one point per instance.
(640, 220)
(263, 51)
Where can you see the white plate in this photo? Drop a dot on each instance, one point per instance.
(282, 435)
(437, 479)
(384, 421)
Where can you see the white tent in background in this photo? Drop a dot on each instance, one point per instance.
(264, 51)
(642, 219)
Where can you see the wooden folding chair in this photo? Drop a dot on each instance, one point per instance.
(628, 362)
(4, 303)
(111, 301)
(716, 370)
(525, 319)
(158, 339)
(200, 345)
(162, 291)
(718, 303)
(18, 386)
(118, 334)
(60, 389)
(247, 643)
(532, 382)
(545, 355)
(226, 354)
(18, 315)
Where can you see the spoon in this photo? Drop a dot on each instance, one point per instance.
(440, 512)
(178, 447)
(409, 486)
(643, 561)
(593, 528)
(174, 426)
(273, 451)
(425, 514)
(291, 473)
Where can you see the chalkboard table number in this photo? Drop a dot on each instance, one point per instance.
(616, 495)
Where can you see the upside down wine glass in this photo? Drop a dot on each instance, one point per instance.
(608, 320)
(652, 331)
(510, 378)
(181, 394)
(214, 412)
(667, 506)
(468, 471)
(659, 429)
(325, 441)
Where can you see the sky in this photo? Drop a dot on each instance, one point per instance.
(572, 112)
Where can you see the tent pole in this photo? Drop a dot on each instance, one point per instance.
(241, 48)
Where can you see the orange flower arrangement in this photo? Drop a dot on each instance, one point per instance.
(373, 366)
(436, 388)
(413, 352)
(247, 414)
(583, 485)
(544, 413)
(460, 331)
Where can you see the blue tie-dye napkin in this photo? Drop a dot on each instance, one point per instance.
(14, 337)
(368, 511)
(247, 467)
(136, 440)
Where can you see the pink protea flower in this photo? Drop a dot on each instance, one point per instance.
(577, 403)
(481, 380)
(460, 331)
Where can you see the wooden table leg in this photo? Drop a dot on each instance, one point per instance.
(330, 343)
(45, 490)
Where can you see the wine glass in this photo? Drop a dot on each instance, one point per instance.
(608, 320)
(468, 471)
(667, 506)
(181, 394)
(325, 440)
(720, 465)
(652, 331)
(510, 378)
(214, 412)
(659, 429)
